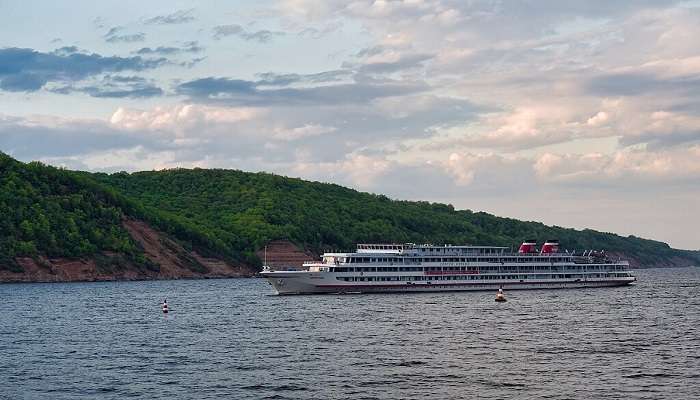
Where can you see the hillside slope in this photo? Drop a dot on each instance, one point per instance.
(56, 225)
(246, 210)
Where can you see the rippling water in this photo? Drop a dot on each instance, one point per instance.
(232, 339)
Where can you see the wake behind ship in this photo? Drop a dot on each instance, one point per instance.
(387, 268)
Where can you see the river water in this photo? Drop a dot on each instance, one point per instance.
(233, 339)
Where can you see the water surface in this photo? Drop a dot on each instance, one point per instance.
(232, 339)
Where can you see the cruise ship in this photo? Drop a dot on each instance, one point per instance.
(389, 268)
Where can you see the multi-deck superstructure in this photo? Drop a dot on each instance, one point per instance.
(419, 268)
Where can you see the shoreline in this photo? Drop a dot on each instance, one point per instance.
(253, 276)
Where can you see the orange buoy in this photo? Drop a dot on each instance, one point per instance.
(500, 297)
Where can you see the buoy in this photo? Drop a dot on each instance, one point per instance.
(165, 306)
(500, 297)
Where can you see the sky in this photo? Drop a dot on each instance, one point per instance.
(576, 114)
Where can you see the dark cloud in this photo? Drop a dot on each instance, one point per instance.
(661, 140)
(115, 35)
(241, 92)
(66, 50)
(162, 50)
(227, 30)
(634, 84)
(29, 70)
(116, 86)
(178, 17)
(126, 79)
(207, 87)
(323, 31)
(137, 92)
(187, 47)
(22, 82)
(370, 51)
(191, 63)
(404, 63)
(689, 106)
(262, 36)
(273, 79)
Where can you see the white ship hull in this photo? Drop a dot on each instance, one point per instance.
(286, 283)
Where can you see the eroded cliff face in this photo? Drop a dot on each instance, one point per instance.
(283, 254)
(170, 261)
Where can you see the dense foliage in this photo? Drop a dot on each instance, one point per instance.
(245, 210)
(45, 211)
(48, 211)
(51, 212)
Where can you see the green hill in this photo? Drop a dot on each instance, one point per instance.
(188, 223)
(53, 214)
(245, 210)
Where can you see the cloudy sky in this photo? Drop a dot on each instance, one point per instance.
(573, 113)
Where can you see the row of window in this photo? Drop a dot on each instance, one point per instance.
(444, 250)
(494, 268)
(380, 246)
(473, 277)
(417, 260)
(448, 250)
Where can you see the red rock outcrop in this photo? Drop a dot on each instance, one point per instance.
(283, 254)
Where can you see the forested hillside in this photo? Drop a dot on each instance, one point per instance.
(190, 223)
(53, 214)
(245, 210)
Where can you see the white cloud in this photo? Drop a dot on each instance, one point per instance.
(357, 170)
(175, 117)
(639, 165)
(599, 119)
(130, 159)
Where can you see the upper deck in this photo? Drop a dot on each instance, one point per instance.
(425, 253)
(427, 249)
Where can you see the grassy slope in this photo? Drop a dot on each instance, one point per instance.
(245, 210)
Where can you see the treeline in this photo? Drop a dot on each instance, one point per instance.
(228, 214)
(245, 210)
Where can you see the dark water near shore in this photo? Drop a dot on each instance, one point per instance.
(230, 339)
